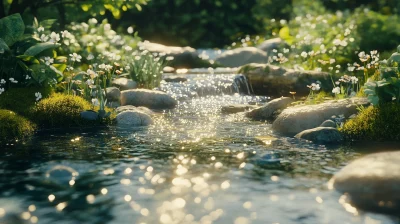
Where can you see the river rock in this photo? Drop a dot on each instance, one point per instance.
(321, 135)
(271, 80)
(271, 44)
(328, 123)
(113, 94)
(269, 110)
(124, 83)
(241, 56)
(296, 119)
(133, 118)
(130, 107)
(372, 182)
(236, 108)
(89, 115)
(148, 98)
(175, 78)
(182, 57)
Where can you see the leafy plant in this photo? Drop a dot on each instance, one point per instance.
(147, 69)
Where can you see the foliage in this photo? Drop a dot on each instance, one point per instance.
(147, 70)
(13, 126)
(380, 123)
(21, 100)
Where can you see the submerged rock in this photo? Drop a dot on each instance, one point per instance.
(372, 182)
(241, 56)
(148, 98)
(175, 78)
(133, 118)
(321, 135)
(271, 80)
(269, 110)
(113, 94)
(124, 83)
(296, 119)
(236, 108)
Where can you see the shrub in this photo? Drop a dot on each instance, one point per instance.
(60, 111)
(13, 126)
(375, 123)
(21, 100)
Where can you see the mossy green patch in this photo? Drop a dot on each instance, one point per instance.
(375, 124)
(13, 126)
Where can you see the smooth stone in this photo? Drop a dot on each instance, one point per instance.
(236, 108)
(148, 98)
(271, 44)
(89, 115)
(241, 56)
(296, 119)
(272, 80)
(269, 110)
(372, 182)
(328, 123)
(133, 118)
(129, 107)
(322, 135)
(113, 94)
(168, 69)
(124, 83)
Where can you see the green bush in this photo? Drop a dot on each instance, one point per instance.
(13, 126)
(60, 111)
(21, 100)
(375, 123)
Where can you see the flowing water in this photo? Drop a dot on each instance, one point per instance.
(194, 165)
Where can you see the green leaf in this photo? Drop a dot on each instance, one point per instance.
(38, 48)
(11, 28)
(60, 67)
(284, 33)
(28, 58)
(3, 46)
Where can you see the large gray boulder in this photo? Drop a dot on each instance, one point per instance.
(113, 94)
(271, 44)
(147, 98)
(372, 182)
(124, 83)
(271, 80)
(241, 56)
(296, 119)
(183, 57)
(269, 111)
(133, 118)
(321, 135)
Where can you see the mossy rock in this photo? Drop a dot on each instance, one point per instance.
(375, 124)
(21, 100)
(14, 126)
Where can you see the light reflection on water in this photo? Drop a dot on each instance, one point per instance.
(194, 165)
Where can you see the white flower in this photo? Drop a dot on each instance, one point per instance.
(48, 60)
(13, 80)
(332, 60)
(92, 21)
(107, 27)
(337, 82)
(91, 73)
(40, 29)
(351, 68)
(108, 67)
(2, 81)
(44, 38)
(75, 57)
(285, 50)
(90, 57)
(102, 66)
(353, 79)
(27, 77)
(314, 86)
(128, 48)
(1, 90)
(130, 30)
(336, 90)
(127, 67)
(65, 34)
(363, 57)
(89, 82)
(38, 96)
(54, 37)
(304, 54)
(95, 102)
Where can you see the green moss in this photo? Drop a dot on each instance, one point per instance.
(375, 124)
(60, 110)
(21, 100)
(13, 126)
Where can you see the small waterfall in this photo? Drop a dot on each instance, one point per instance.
(242, 85)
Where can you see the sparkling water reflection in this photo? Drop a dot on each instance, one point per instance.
(194, 165)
